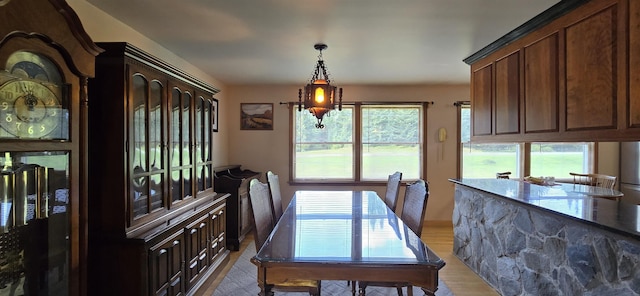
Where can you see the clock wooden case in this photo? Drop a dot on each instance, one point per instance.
(46, 58)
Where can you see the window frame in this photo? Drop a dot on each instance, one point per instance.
(524, 158)
(357, 145)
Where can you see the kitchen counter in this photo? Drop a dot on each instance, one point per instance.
(527, 239)
(579, 202)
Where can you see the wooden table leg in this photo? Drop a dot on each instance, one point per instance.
(428, 292)
(265, 290)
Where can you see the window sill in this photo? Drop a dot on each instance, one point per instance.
(337, 183)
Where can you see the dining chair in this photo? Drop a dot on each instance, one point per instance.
(262, 208)
(276, 197)
(503, 175)
(393, 190)
(260, 203)
(413, 211)
(598, 180)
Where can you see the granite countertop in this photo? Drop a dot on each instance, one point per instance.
(579, 202)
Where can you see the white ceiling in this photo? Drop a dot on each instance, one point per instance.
(369, 41)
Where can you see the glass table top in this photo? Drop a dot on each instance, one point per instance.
(343, 227)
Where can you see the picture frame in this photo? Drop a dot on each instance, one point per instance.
(256, 116)
(215, 118)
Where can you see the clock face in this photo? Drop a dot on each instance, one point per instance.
(31, 105)
(28, 109)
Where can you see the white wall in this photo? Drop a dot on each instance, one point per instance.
(269, 150)
(609, 159)
(101, 27)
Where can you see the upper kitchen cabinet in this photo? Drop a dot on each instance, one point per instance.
(590, 70)
(541, 85)
(482, 93)
(507, 94)
(565, 75)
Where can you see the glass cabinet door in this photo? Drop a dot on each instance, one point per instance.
(181, 145)
(203, 129)
(146, 148)
(34, 223)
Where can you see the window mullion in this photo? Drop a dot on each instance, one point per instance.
(293, 128)
(357, 138)
(423, 141)
(525, 160)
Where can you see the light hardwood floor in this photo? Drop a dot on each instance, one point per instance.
(438, 236)
(458, 277)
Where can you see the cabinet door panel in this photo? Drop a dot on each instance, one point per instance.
(166, 266)
(634, 64)
(146, 159)
(591, 72)
(204, 111)
(197, 249)
(481, 115)
(245, 211)
(508, 94)
(147, 156)
(217, 236)
(541, 85)
(180, 155)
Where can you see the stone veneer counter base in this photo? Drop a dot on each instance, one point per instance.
(525, 239)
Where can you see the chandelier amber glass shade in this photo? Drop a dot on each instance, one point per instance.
(319, 95)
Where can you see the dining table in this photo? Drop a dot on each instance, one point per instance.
(344, 235)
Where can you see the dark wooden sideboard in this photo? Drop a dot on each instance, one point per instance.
(235, 181)
(156, 225)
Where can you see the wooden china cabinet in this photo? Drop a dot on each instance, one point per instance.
(157, 227)
(46, 58)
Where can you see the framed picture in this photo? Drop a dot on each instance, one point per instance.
(256, 116)
(214, 115)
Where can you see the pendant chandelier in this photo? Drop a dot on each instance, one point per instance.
(319, 94)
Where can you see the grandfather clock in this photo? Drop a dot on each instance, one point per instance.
(46, 58)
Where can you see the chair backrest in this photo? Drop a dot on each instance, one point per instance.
(260, 202)
(503, 175)
(393, 190)
(598, 180)
(276, 197)
(415, 205)
(604, 181)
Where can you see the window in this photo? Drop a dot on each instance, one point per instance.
(559, 159)
(327, 153)
(391, 138)
(363, 142)
(546, 159)
(485, 160)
